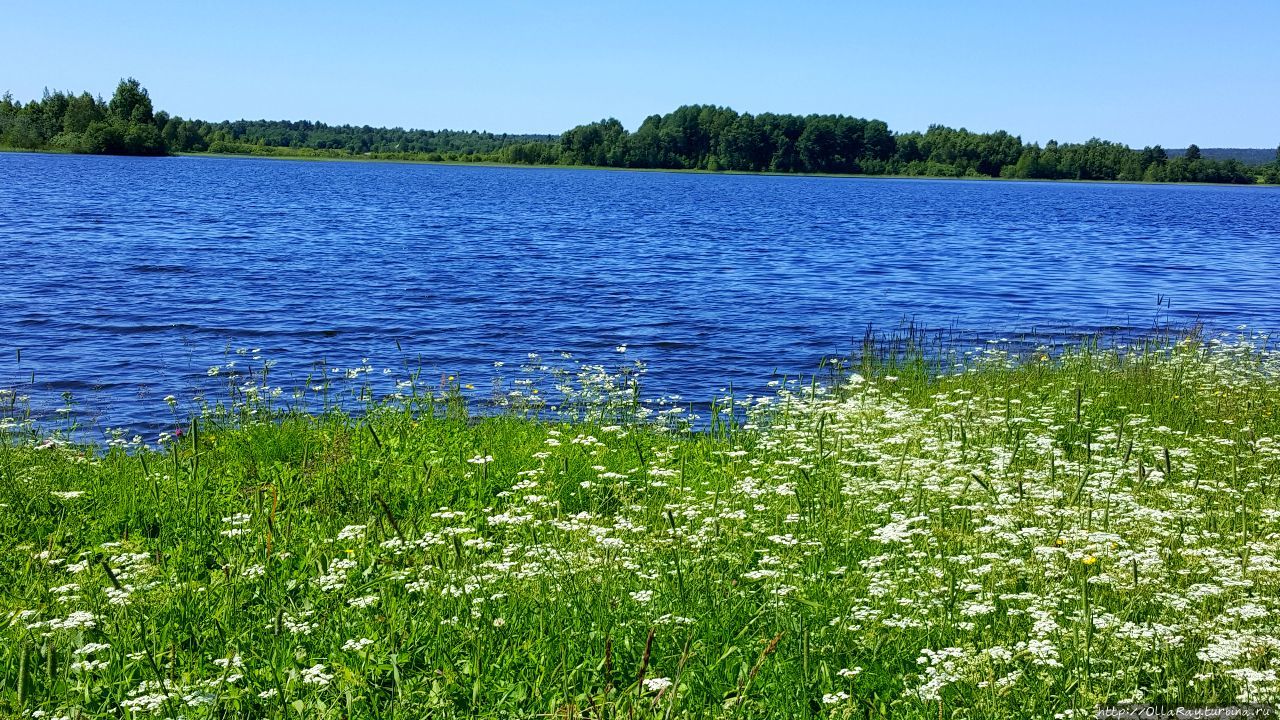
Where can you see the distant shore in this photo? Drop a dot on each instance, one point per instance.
(690, 171)
(695, 171)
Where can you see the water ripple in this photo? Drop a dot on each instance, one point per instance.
(125, 278)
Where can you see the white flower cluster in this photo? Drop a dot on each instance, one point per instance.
(352, 532)
(316, 675)
(356, 644)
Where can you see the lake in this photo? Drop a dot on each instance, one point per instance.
(125, 279)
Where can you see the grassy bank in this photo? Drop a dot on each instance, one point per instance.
(992, 539)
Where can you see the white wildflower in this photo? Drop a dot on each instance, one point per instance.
(316, 675)
(657, 684)
(356, 645)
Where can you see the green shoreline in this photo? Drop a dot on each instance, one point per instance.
(695, 171)
(689, 171)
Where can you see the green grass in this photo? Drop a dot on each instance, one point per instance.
(987, 537)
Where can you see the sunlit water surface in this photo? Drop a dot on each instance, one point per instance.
(124, 279)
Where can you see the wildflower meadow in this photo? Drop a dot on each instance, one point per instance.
(976, 535)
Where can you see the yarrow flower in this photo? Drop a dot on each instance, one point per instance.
(316, 675)
(89, 648)
(352, 532)
(298, 625)
(356, 645)
(657, 684)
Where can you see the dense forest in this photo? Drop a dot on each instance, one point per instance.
(693, 137)
(1248, 156)
(715, 138)
(128, 125)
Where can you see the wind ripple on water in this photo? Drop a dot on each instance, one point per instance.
(127, 277)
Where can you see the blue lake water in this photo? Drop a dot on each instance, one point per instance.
(124, 279)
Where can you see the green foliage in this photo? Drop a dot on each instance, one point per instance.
(81, 112)
(1248, 156)
(704, 137)
(599, 143)
(348, 139)
(131, 105)
(83, 124)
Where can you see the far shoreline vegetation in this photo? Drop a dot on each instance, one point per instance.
(276, 153)
(692, 138)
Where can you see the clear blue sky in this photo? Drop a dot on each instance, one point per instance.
(1171, 72)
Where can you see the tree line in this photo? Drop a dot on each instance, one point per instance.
(129, 125)
(693, 137)
(707, 137)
